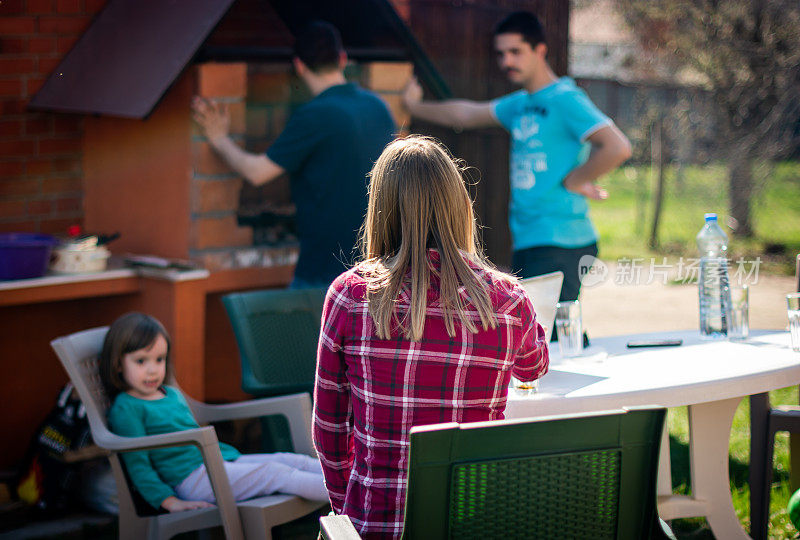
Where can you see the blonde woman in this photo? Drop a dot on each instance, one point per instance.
(422, 331)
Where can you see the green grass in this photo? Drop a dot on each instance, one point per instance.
(780, 526)
(624, 220)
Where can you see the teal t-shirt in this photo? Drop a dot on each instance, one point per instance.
(548, 139)
(156, 472)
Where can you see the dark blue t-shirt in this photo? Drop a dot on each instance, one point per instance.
(328, 147)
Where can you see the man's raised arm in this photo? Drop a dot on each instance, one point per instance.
(214, 120)
(455, 113)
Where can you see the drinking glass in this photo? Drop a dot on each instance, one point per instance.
(569, 328)
(525, 387)
(793, 310)
(739, 326)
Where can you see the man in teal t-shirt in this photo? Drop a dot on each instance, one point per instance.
(560, 145)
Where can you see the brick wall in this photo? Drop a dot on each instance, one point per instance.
(260, 98)
(40, 153)
(41, 160)
(217, 239)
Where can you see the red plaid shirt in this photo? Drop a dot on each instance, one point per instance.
(370, 392)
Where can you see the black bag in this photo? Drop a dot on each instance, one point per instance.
(49, 482)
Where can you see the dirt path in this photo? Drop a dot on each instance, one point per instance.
(623, 304)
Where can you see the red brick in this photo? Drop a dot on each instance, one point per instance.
(17, 148)
(16, 66)
(259, 147)
(10, 128)
(36, 167)
(61, 185)
(257, 121)
(67, 165)
(63, 25)
(64, 44)
(18, 187)
(277, 120)
(40, 6)
(237, 112)
(34, 84)
(93, 6)
(12, 106)
(391, 76)
(68, 6)
(48, 65)
(268, 87)
(10, 87)
(399, 113)
(17, 25)
(59, 146)
(12, 7)
(206, 161)
(18, 226)
(222, 80)
(9, 169)
(39, 125)
(57, 226)
(12, 208)
(42, 45)
(69, 204)
(217, 195)
(68, 124)
(39, 208)
(13, 45)
(220, 232)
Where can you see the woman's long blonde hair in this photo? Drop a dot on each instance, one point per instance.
(417, 200)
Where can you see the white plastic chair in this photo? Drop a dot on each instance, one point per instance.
(255, 518)
(544, 291)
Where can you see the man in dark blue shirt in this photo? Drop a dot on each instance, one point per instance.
(328, 147)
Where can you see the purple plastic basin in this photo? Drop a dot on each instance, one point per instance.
(24, 255)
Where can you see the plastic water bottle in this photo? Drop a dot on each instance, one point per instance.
(713, 284)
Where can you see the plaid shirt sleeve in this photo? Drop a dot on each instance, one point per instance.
(533, 356)
(333, 413)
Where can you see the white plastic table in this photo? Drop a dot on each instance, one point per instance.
(711, 377)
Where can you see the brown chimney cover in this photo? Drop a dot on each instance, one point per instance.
(130, 55)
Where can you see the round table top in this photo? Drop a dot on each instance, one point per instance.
(609, 375)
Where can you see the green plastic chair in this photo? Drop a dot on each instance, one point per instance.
(577, 476)
(277, 331)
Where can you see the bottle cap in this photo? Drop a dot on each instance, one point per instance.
(711, 217)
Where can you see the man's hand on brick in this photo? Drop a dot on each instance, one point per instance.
(212, 117)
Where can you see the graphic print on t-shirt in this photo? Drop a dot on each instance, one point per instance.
(528, 159)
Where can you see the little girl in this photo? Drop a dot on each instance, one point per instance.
(134, 362)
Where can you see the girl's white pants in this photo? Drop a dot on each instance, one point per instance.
(256, 475)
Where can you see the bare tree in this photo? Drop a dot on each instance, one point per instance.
(747, 53)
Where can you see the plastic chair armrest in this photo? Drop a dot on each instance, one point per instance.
(337, 528)
(295, 407)
(220, 484)
(249, 409)
(201, 437)
(205, 438)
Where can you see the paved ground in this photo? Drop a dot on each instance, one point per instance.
(622, 304)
